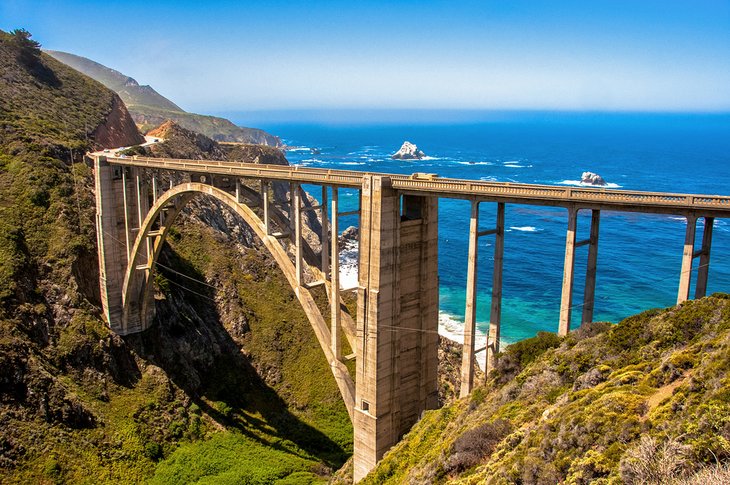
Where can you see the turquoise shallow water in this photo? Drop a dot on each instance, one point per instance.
(639, 255)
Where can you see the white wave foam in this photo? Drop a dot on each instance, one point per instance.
(452, 328)
(312, 160)
(348, 264)
(516, 165)
(488, 178)
(352, 163)
(525, 228)
(475, 163)
(578, 183)
(298, 149)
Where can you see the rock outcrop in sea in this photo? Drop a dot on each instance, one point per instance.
(408, 151)
(592, 178)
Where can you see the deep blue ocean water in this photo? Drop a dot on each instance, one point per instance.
(639, 255)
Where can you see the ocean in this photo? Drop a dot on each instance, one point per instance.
(639, 256)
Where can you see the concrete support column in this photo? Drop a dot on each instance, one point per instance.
(265, 202)
(397, 319)
(375, 430)
(238, 190)
(566, 300)
(325, 235)
(495, 316)
(704, 268)
(296, 204)
(127, 238)
(143, 206)
(335, 311)
(589, 295)
(155, 187)
(111, 234)
(468, 356)
(685, 275)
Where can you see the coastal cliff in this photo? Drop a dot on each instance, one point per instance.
(149, 108)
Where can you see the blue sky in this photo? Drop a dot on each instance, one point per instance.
(615, 55)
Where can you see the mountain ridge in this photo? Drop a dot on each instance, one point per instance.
(150, 109)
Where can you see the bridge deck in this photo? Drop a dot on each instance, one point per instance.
(532, 194)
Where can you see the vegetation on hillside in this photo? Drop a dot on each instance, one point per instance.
(644, 401)
(81, 405)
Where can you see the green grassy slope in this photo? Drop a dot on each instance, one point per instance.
(81, 405)
(644, 401)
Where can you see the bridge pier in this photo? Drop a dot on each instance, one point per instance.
(566, 300)
(335, 310)
(397, 319)
(119, 208)
(688, 256)
(468, 357)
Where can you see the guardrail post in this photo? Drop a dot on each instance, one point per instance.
(589, 295)
(704, 268)
(685, 275)
(566, 300)
(467, 356)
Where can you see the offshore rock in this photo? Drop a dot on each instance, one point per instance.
(349, 235)
(408, 151)
(592, 178)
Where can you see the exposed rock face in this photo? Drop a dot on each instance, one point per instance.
(349, 235)
(251, 153)
(182, 143)
(118, 129)
(592, 178)
(408, 151)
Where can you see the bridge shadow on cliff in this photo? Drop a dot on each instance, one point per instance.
(190, 343)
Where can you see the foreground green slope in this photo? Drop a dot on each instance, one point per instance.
(208, 393)
(644, 401)
(150, 109)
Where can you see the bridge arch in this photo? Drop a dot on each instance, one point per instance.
(136, 290)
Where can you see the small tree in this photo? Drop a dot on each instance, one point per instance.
(27, 49)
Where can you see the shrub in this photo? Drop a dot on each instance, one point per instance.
(652, 462)
(471, 447)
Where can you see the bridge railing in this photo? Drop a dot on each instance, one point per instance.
(445, 187)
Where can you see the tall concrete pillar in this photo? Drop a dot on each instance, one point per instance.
(685, 275)
(397, 321)
(495, 315)
(118, 209)
(325, 235)
(566, 300)
(470, 312)
(335, 310)
(704, 268)
(589, 295)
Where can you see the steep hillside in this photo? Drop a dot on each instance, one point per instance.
(644, 401)
(150, 109)
(208, 391)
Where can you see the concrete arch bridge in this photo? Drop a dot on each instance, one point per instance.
(395, 334)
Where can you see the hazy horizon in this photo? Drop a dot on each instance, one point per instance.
(283, 56)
